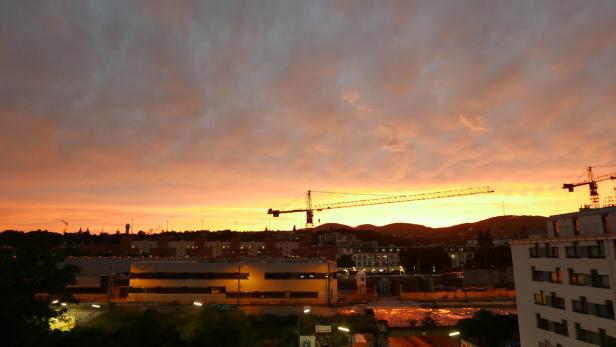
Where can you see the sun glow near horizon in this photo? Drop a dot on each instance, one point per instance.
(514, 199)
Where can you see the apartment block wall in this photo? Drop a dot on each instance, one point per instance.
(575, 249)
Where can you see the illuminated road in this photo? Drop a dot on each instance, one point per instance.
(400, 314)
(415, 341)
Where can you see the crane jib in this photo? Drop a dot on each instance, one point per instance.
(309, 210)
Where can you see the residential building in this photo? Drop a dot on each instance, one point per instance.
(565, 281)
(459, 256)
(383, 259)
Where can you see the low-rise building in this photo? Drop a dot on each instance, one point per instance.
(272, 281)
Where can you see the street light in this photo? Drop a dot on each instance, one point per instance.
(456, 335)
(197, 303)
(307, 310)
(344, 329)
(96, 306)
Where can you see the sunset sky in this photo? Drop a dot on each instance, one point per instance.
(182, 111)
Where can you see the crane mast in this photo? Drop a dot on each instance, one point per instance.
(310, 208)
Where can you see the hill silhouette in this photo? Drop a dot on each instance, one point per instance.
(501, 227)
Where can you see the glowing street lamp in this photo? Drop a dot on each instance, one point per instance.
(454, 333)
(197, 303)
(344, 329)
(307, 310)
(96, 306)
(55, 301)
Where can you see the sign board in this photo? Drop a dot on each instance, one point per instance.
(322, 328)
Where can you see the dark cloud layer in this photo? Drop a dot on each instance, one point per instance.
(202, 101)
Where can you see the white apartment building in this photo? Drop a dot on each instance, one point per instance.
(287, 248)
(459, 256)
(252, 248)
(144, 246)
(565, 282)
(377, 260)
(217, 248)
(181, 247)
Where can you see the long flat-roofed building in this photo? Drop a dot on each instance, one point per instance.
(565, 281)
(275, 281)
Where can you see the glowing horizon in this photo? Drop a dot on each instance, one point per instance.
(432, 213)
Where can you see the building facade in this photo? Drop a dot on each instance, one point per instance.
(459, 256)
(383, 259)
(565, 281)
(274, 281)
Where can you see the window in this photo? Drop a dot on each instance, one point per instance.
(593, 279)
(546, 276)
(605, 226)
(580, 306)
(542, 323)
(556, 302)
(597, 251)
(540, 298)
(534, 252)
(190, 275)
(600, 310)
(575, 278)
(557, 327)
(600, 281)
(583, 334)
(573, 251)
(543, 252)
(556, 228)
(295, 275)
(555, 276)
(589, 251)
(178, 290)
(551, 300)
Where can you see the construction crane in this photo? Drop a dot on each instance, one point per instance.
(65, 225)
(310, 208)
(591, 181)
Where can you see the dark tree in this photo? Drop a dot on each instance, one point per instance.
(487, 238)
(425, 259)
(487, 329)
(480, 238)
(30, 278)
(345, 260)
(498, 257)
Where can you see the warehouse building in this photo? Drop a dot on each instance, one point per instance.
(266, 281)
